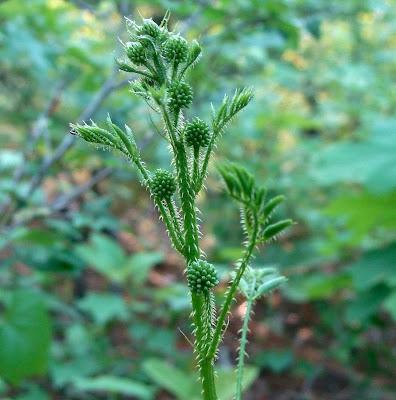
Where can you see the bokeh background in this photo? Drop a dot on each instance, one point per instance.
(93, 300)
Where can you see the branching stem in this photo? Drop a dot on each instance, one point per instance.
(174, 217)
(209, 150)
(196, 169)
(205, 162)
(242, 347)
(230, 294)
(191, 253)
(174, 236)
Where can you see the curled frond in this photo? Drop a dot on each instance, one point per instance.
(258, 282)
(241, 186)
(239, 182)
(230, 107)
(126, 138)
(93, 134)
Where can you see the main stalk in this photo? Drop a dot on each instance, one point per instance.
(191, 254)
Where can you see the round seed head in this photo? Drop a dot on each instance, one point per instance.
(197, 133)
(201, 276)
(163, 184)
(175, 49)
(136, 53)
(180, 95)
(149, 28)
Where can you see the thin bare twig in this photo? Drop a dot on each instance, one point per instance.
(39, 127)
(64, 200)
(37, 131)
(107, 88)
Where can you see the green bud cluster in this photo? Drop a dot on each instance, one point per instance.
(136, 53)
(163, 184)
(197, 133)
(180, 95)
(201, 276)
(161, 58)
(175, 49)
(149, 28)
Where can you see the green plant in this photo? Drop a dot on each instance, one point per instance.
(255, 283)
(162, 59)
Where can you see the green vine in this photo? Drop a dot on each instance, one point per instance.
(242, 349)
(162, 58)
(255, 283)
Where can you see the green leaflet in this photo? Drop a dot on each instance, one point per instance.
(275, 229)
(230, 107)
(241, 186)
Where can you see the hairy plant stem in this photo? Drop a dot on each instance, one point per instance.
(169, 223)
(191, 252)
(242, 348)
(205, 163)
(195, 175)
(225, 309)
(174, 217)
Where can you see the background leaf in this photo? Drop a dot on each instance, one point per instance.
(104, 307)
(116, 385)
(25, 337)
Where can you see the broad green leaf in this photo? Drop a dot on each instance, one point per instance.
(78, 340)
(186, 386)
(25, 337)
(172, 379)
(37, 236)
(390, 305)
(12, 235)
(317, 286)
(139, 265)
(108, 384)
(226, 379)
(107, 256)
(34, 393)
(374, 267)
(276, 360)
(371, 162)
(64, 373)
(366, 304)
(175, 296)
(364, 213)
(103, 254)
(104, 307)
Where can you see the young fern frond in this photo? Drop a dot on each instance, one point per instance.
(230, 107)
(227, 111)
(242, 187)
(93, 134)
(256, 282)
(175, 239)
(242, 349)
(161, 59)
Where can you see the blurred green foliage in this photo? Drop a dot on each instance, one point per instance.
(91, 297)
